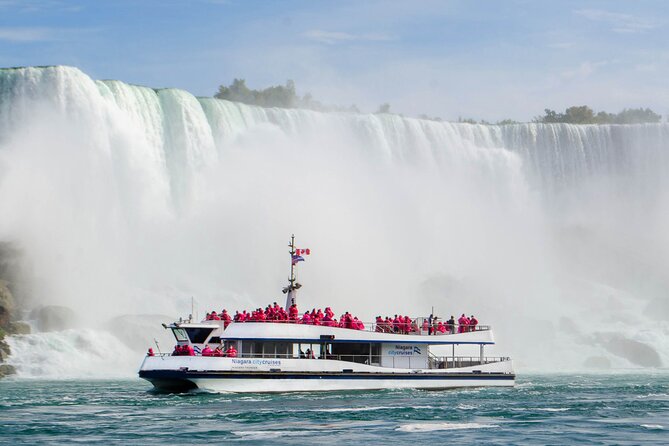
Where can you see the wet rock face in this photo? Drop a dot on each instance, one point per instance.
(4, 349)
(635, 352)
(53, 318)
(6, 305)
(6, 370)
(19, 328)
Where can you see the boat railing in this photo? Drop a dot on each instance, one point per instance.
(392, 361)
(448, 362)
(418, 329)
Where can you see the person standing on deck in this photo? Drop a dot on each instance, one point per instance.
(451, 325)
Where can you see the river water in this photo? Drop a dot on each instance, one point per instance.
(542, 409)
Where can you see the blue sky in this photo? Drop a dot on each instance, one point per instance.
(480, 59)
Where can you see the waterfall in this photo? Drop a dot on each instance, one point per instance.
(129, 200)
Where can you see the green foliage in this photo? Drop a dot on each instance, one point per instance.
(484, 122)
(507, 122)
(583, 114)
(284, 96)
(466, 120)
(637, 116)
(276, 96)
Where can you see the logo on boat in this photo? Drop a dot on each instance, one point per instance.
(405, 350)
(256, 362)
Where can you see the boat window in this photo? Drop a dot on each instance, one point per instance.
(180, 334)
(198, 335)
(376, 354)
(268, 349)
(284, 350)
(352, 352)
(256, 349)
(215, 340)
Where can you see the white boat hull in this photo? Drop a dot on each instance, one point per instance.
(299, 375)
(312, 385)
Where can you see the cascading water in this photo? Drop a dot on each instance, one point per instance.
(129, 200)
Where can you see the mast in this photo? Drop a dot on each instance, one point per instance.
(293, 286)
(292, 263)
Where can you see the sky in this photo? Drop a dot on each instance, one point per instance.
(475, 59)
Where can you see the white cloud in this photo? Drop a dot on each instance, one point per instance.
(26, 34)
(334, 37)
(36, 6)
(620, 23)
(583, 71)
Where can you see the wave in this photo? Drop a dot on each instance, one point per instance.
(269, 434)
(429, 427)
(653, 426)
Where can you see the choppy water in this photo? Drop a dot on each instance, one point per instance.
(568, 409)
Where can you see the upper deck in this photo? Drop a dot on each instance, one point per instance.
(292, 332)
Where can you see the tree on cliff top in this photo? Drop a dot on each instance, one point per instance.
(582, 114)
(276, 96)
(284, 96)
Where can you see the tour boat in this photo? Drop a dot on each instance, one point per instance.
(269, 356)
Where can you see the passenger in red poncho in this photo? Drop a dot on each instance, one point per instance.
(357, 324)
(207, 351)
(379, 324)
(225, 317)
(293, 313)
(231, 352)
(473, 322)
(462, 323)
(328, 321)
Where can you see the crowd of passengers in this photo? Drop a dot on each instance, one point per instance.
(431, 325)
(398, 324)
(188, 350)
(276, 313)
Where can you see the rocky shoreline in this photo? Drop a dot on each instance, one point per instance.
(9, 308)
